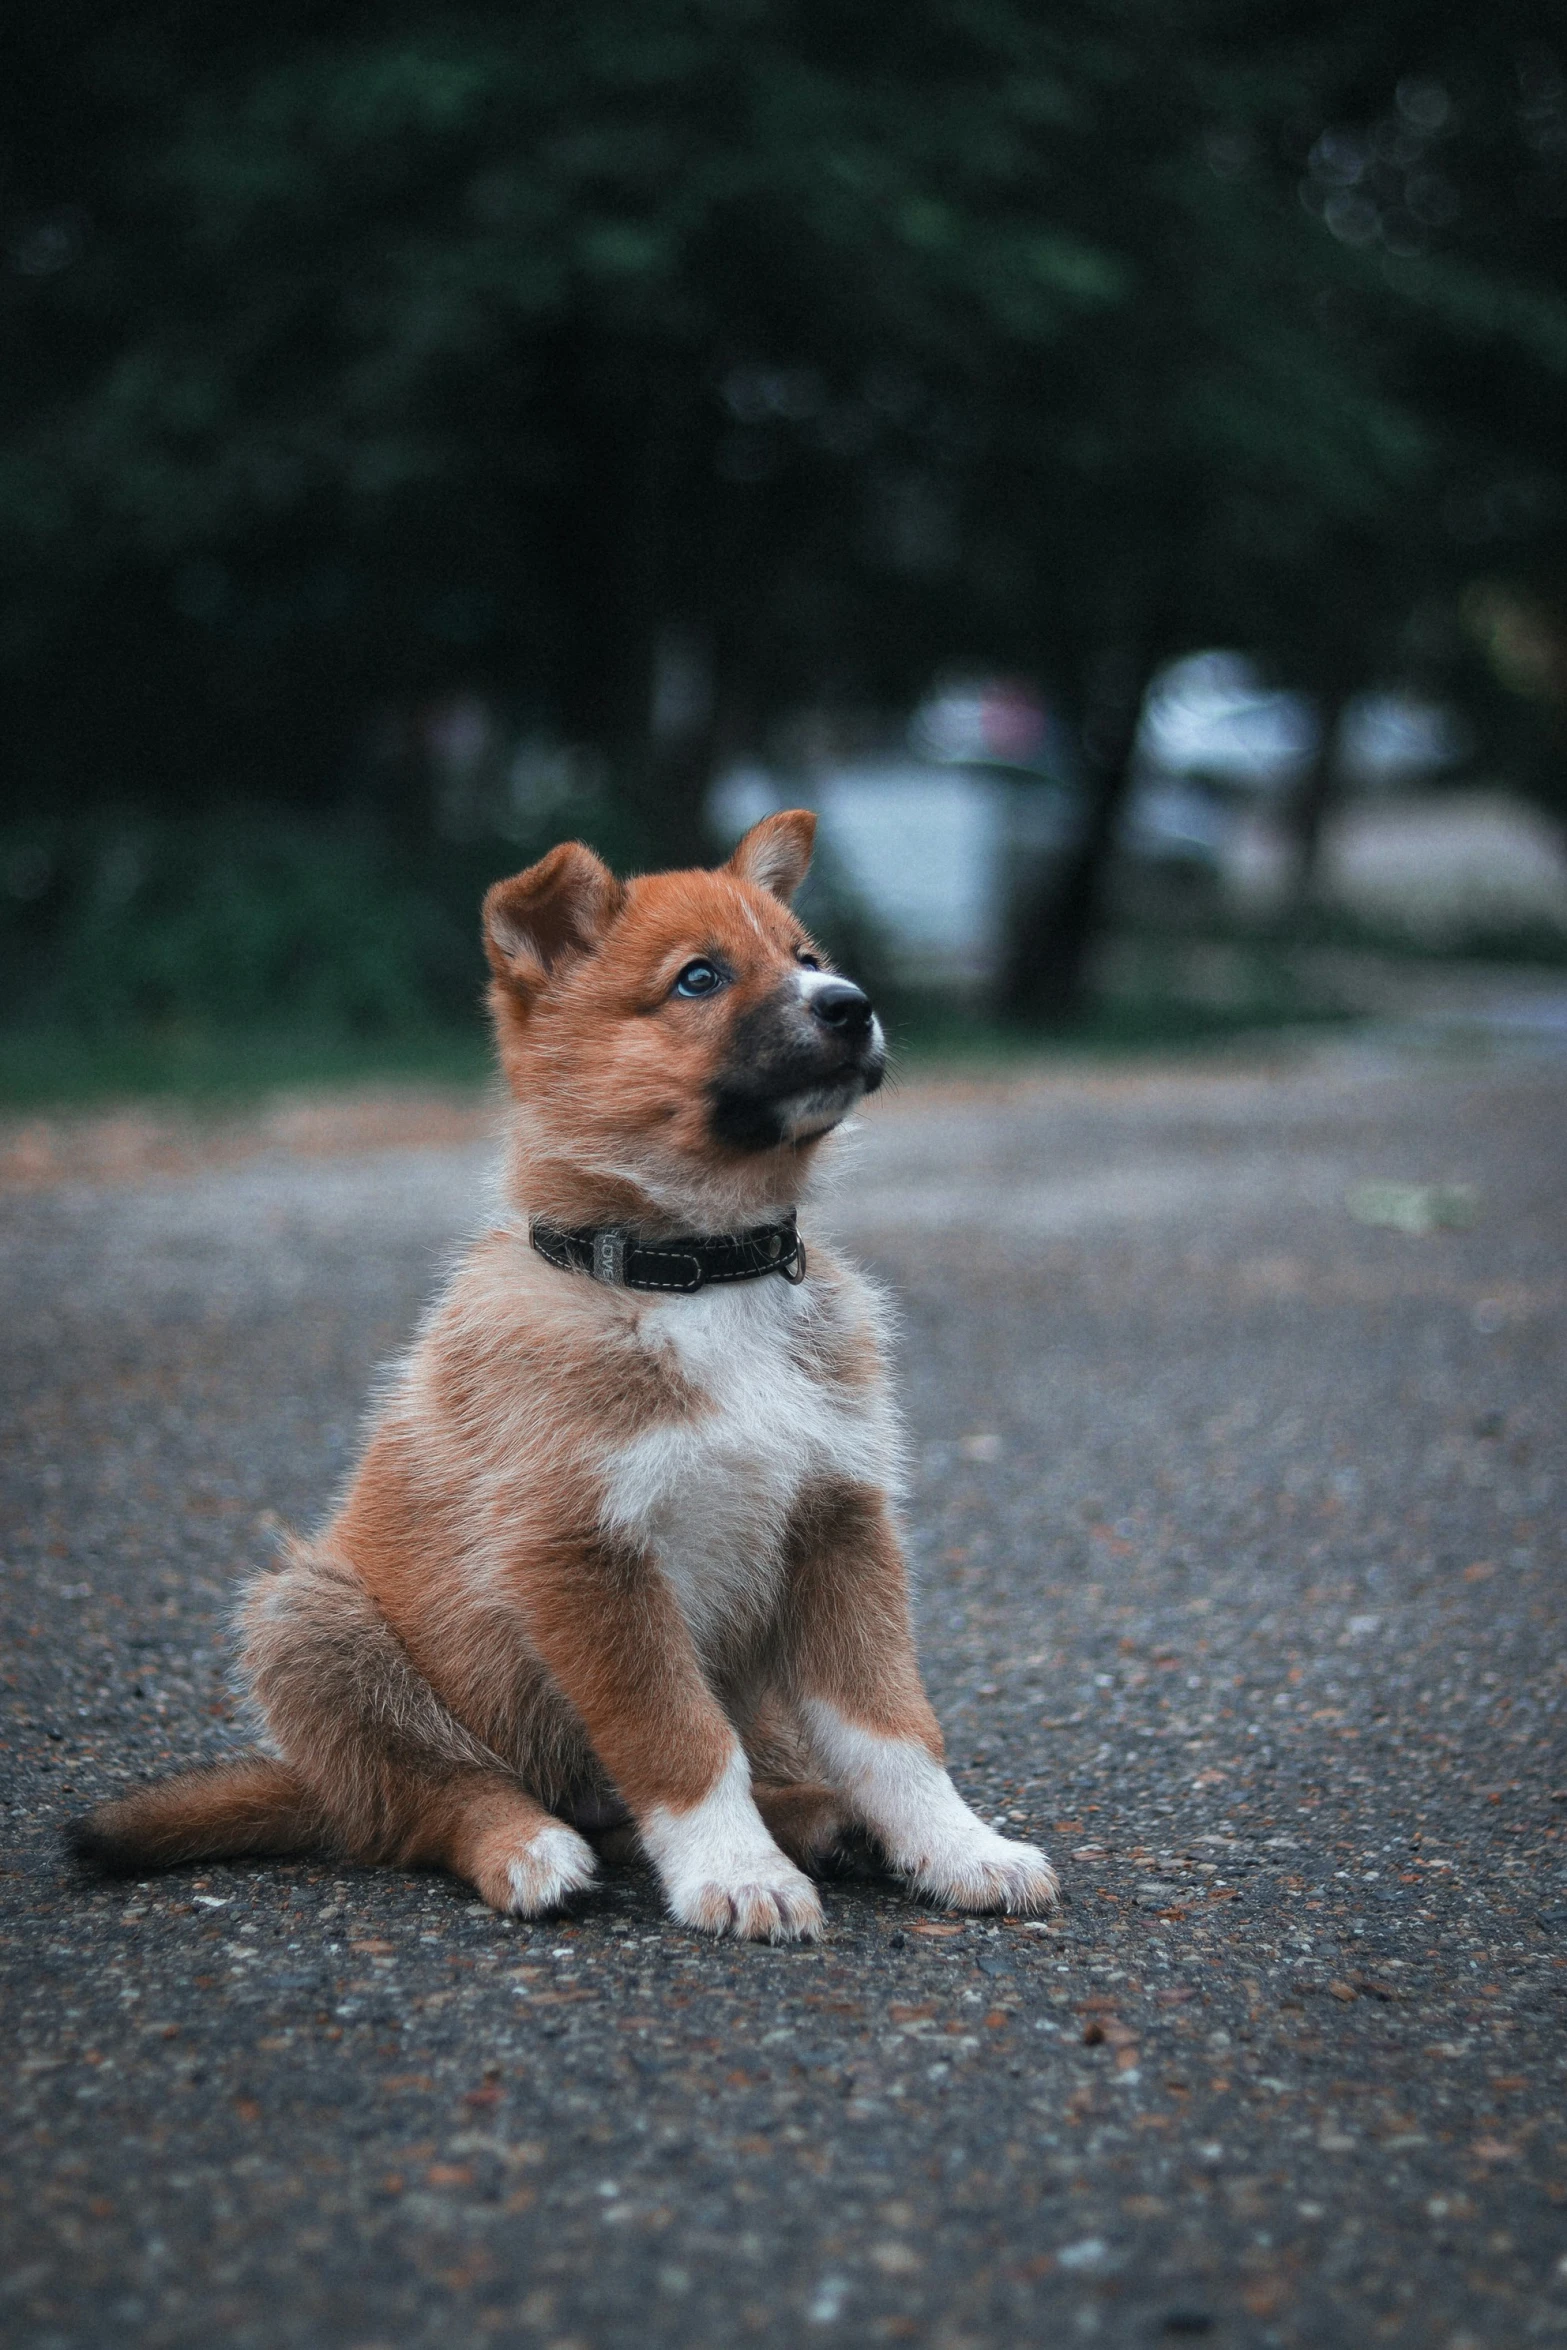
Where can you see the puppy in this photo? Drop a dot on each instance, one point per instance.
(621, 1552)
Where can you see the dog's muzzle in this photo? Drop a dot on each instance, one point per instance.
(797, 1064)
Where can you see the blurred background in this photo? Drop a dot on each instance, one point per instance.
(1108, 458)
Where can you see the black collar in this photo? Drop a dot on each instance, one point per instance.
(610, 1254)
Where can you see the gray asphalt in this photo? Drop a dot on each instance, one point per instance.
(1239, 1529)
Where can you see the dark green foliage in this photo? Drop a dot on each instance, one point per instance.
(263, 923)
(353, 358)
(242, 917)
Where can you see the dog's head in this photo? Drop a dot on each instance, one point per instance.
(676, 1045)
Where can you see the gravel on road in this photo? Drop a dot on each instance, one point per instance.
(1238, 1526)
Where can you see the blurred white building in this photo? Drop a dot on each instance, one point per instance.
(930, 853)
(934, 842)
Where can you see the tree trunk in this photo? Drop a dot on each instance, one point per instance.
(673, 769)
(644, 694)
(1055, 927)
(672, 795)
(1311, 804)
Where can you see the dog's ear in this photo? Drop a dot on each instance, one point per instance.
(544, 918)
(776, 854)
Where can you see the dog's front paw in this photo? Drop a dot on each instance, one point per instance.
(775, 1904)
(977, 1869)
(928, 1833)
(722, 1872)
(541, 1874)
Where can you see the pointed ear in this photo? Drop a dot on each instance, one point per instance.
(776, 854)
(544, 918)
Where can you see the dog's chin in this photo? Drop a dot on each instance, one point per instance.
(759, 1124)
(806, 1117)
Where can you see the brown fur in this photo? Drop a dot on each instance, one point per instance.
(515, 1619)
(249, 1806)
(848, 1602)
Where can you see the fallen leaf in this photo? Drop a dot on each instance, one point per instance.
(1265, 2297)
(1415, 1208)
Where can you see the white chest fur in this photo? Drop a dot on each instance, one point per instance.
(710, 1493)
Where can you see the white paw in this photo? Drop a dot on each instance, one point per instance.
(980, 1870)
(923, 1824)
(783, 1906)
(552, 1865)
(722, 1872)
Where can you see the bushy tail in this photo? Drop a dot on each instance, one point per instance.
(254, 1805)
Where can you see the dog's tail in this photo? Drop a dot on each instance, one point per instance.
(252, 1805)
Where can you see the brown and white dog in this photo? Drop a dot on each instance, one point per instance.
(621, 1548)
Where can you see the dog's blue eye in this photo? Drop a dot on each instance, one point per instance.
(699, 978)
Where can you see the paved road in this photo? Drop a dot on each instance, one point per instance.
(1239, 1525)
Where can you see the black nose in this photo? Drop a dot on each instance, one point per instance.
(842, 1006)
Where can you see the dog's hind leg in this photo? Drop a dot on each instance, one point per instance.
(368, 1762)
(397, 1774)
(483, 1827)
(805, 1818)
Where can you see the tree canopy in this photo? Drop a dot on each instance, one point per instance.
(355, 354)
